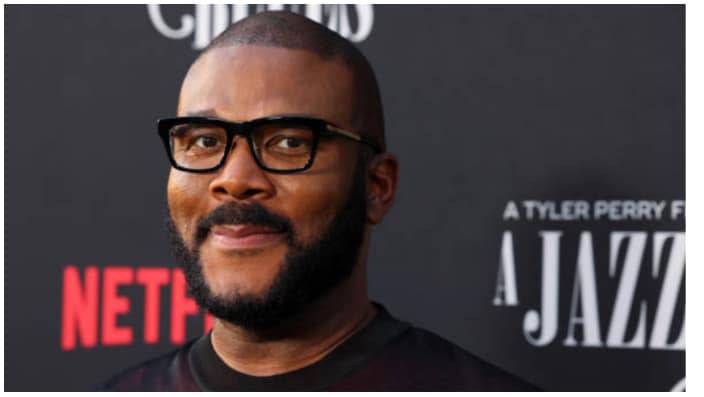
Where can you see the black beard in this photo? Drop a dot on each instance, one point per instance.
(307, 273)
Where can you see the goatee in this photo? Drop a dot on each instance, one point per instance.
(307, 273)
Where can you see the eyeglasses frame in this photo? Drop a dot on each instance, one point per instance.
(318, 126)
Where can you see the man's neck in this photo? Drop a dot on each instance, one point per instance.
(323, 326)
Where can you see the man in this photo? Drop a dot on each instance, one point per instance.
(279, 171)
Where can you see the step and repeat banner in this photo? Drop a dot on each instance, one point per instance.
(540, 222)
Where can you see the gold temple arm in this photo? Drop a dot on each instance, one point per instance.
(353, 136)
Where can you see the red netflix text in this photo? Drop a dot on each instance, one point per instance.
(92, 306)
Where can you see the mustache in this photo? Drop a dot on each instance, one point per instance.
(250, 213)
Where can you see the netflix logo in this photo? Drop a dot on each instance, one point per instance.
(94, 312)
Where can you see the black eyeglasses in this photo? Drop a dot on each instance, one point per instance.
(280, 144)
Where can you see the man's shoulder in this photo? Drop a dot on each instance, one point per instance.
(167, 372)
(434, 351)
(423, 360)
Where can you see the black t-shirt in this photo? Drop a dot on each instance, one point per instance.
(386, 355)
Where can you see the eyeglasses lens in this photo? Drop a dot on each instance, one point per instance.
(283, 146)
(197, 146)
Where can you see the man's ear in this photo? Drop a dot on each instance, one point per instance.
(382, 182)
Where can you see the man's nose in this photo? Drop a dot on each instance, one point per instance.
(240, 177)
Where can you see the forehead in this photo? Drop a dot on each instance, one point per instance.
(246, 82)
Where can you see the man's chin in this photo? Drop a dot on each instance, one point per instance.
(242, 305)
(227, 289)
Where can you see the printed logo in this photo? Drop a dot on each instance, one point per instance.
(611, 298)
(96, 302)
(208, 21)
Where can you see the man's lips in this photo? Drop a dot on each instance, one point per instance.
(233, 237)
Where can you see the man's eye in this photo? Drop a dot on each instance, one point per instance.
(206, 142)
(289, 144)
(195, 140)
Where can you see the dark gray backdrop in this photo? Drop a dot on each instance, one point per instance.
(484, 105)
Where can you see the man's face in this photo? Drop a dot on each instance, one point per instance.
(244, 83)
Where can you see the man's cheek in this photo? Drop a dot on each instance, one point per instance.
(315, 219)
(184, 200)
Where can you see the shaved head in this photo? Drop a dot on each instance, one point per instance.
(288, 30)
